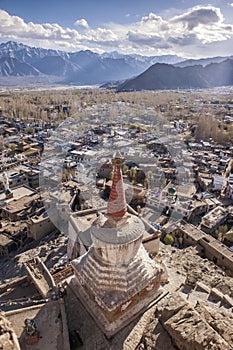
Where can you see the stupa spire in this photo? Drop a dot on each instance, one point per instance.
(117, 206)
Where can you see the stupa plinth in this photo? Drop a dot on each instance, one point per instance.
(116, 279)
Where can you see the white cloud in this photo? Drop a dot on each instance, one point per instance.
(13, 27)
(101, 35)
(199, 15)
(81, 23)
(137, 38)
(196, 32)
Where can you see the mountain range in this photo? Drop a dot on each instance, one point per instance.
(81, 67)
(165, 76)
(127, 72)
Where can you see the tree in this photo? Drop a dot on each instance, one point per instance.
(125, 169)
(133, 173)
(110, 176)
(149, 175)
(168, 239)
(12, 148)
(29, 130)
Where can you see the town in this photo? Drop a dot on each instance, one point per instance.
(57, 176)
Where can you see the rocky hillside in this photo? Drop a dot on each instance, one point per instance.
(164, 76)
(196, 314)
(203, 61)
(184, 327)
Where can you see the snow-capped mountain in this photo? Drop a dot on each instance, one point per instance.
(82, 67)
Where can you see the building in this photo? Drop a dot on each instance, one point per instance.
(16, 178)
(22, 175)
(7, 245)
(40, 225)
(217, 252)
(116, 279)
(189, 234)
(23, 201)
(229, 191)
(229, 187)
(205, 180)
(186, 234)
(230, 179)
(213, 219)
(218, 182)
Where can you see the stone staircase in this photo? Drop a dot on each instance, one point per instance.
(212, 297)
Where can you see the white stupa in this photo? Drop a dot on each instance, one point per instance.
(116, 279)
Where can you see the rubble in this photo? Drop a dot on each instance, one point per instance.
(188, 263)
(190, 332)
(188, 328)
(191, 316)
(221, 321)
(8, 338)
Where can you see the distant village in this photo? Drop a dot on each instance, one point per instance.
(201, 181)
(55, 182)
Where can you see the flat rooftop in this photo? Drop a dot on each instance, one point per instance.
(38, 218)
(17, 205)
(218, 246)
(4, 240)
(191, 230)
(214, 216)
(51, 324)
(18, 193)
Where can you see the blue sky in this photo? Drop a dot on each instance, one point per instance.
(188, 28)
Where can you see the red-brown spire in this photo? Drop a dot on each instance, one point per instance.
(117, 206)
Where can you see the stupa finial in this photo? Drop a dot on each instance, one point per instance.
(117, 206)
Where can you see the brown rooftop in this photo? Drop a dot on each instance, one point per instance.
(17, 205)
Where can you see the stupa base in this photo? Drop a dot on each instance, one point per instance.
(112, 321)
